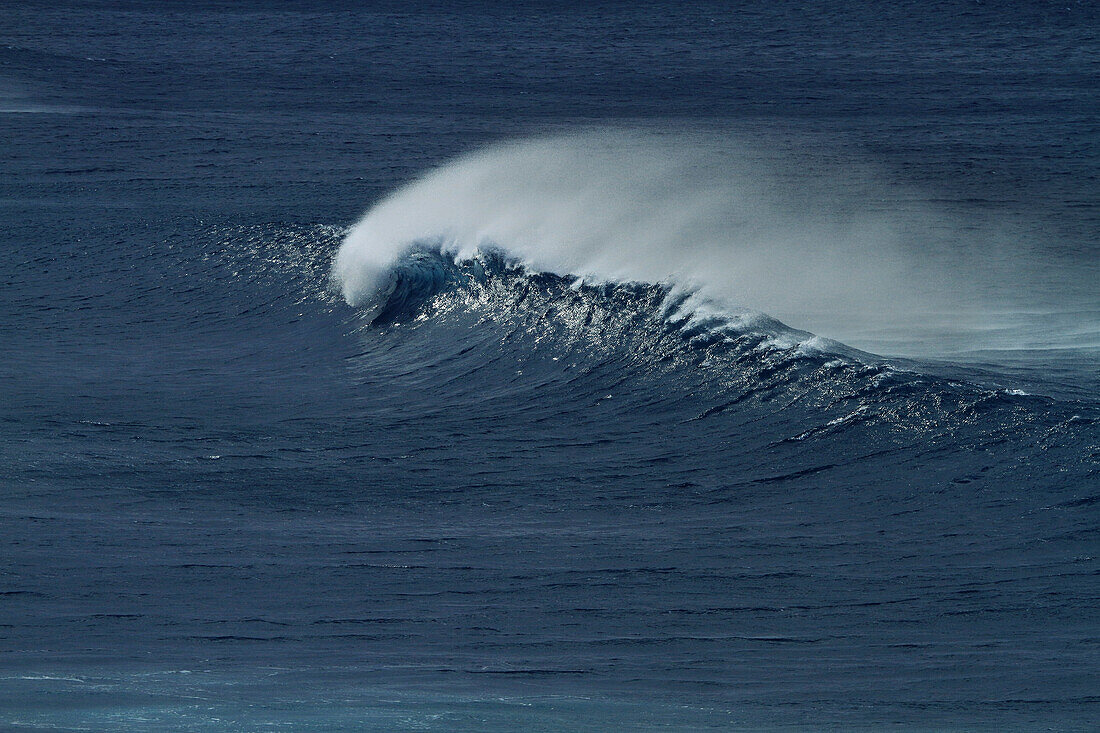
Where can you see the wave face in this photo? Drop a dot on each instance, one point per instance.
(679, 346)
(774, 230)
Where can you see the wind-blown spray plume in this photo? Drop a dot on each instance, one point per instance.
(744, 228)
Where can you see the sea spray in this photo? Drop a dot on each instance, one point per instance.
(771, 229)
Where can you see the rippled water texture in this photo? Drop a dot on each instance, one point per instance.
(604, 368)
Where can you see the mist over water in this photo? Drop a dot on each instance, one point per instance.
(839, 250)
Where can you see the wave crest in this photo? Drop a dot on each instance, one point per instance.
(775, 232)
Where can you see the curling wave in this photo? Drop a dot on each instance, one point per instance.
(491, 276)
(621, 207)
(746, 228)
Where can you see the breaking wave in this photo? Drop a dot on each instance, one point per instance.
(743, 228)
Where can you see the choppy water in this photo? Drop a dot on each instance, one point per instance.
(566, 435)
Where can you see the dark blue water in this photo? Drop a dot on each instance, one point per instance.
(496, 497)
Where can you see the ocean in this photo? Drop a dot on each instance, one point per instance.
(479, 366)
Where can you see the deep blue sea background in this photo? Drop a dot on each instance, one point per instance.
(231, 501)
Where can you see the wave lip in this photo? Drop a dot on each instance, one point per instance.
(428, 279)
(405, 285)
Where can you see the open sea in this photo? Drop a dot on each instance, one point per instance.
(545, 366)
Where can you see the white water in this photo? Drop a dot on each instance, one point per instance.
(815, 245)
